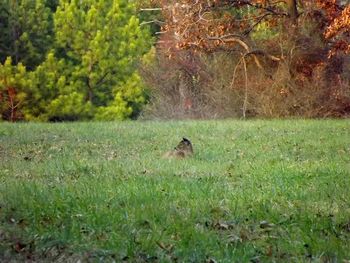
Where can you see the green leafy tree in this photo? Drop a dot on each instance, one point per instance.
(26, 31)
(127, 101)
(53, 97)
(14, 85)
(100, 42)
(81, 58)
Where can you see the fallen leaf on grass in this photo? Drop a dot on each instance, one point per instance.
(234, 239)
(222, 226)
(265, 224)
(167, 248)
(19, 247)
(269, 251)
(219, 225)
(246, 235)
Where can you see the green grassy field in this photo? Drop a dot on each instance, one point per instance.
(254, 191)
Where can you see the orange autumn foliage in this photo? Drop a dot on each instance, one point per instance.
(207, 25)
(294, 44)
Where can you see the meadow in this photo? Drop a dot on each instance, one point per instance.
(254, 191)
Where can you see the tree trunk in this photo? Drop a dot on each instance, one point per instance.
(90, 92)
(292, 11)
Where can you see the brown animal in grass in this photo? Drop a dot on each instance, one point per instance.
(182, 150)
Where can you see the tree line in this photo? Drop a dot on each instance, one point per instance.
(64, 60)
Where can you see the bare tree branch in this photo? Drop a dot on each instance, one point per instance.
(155, 21)
(150, 9)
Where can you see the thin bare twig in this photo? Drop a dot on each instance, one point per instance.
(150, 9)
(155, 21)
(245, 102)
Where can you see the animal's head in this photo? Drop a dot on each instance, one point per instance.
(186, 141)
(185, 145)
